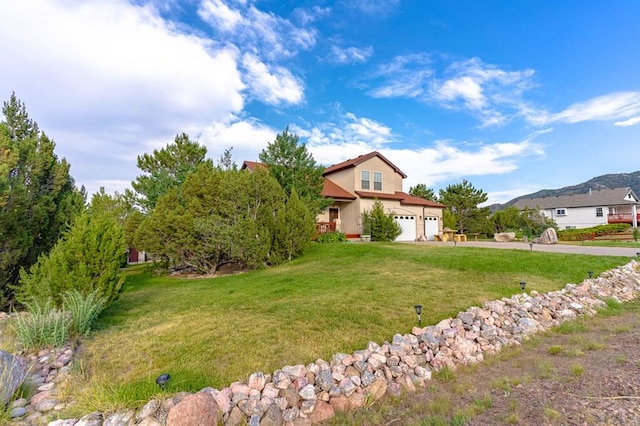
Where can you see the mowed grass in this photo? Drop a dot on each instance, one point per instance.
(336, 298)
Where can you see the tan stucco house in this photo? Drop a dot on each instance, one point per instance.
(355, 184)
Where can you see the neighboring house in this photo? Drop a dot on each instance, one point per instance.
(596, 207)
(355, 184)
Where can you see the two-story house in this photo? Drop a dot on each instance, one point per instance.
(354, 185)
(596, 207)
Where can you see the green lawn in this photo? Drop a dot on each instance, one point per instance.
(605, 243)
(336, 298)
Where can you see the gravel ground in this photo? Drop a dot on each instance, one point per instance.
(586, 372)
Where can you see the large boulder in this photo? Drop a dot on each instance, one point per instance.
(504, 237)
(198, 409)
(549, 236)
(12, 373)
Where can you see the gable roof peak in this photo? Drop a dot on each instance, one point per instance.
(353, 162)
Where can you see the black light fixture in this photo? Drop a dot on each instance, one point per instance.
(418, 309)
(638, 254)
(531, 246)
(162, 380)
(523, 284)
(590, 273)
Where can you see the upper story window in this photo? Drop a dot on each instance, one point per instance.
(377, 181)
(599, 212)
(365, 179)
(561, 212)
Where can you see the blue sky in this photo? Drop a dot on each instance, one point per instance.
(514, 96)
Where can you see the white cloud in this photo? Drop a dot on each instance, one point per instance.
(630, 122)
(261, 33)
(350, 55)
(105, 78)
(613, 106)
(272, 84)
(219, 14)
(442, 161)
(405, 76)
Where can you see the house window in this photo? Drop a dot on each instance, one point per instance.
(364, 179)
(561, 212)
(599, 212)
(612, 210)
(377, 181)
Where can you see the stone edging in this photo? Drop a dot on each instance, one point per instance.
(305, 395)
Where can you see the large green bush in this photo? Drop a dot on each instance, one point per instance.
(86, 259)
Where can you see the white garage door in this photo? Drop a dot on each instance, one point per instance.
(430, 227)
(408, 225)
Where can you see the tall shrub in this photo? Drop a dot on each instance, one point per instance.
(86, 259)
(383, 226)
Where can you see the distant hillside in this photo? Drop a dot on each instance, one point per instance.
(617, 180)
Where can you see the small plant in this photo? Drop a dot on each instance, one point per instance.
(440, 405)
(570, 327)
(555, 350)
(545, 370)
(445, 375)
(621, 359)
(331, 237)
(503, 384)
(594, 346)
(613, 308)
(576, 370)
(482, 404)
(83, 310)
(552, 416)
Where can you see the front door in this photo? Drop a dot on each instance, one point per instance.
(333, 214)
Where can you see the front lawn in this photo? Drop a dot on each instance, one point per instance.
(336, 298)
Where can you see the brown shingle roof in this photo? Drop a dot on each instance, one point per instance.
(403, 197)
(252, 165)
(601, 197)
(335, 191)
(359, 160)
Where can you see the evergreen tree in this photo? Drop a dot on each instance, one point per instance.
(295, 227)
(383, 226)
(166, 168)
(87, 258)
(294, 168)
(38, 197)
(462, 201)
(421, 190)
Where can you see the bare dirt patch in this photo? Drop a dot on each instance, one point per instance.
(585, 372)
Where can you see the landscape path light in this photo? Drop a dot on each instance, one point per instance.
(590, 273)
(523, 284)
(531, 246)
(418, 309)
(162, 380)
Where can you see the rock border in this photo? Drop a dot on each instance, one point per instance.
(305, 395)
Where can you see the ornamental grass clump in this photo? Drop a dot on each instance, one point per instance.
(83, 310)
(42, 326)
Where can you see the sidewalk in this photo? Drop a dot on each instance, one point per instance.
(553, 248)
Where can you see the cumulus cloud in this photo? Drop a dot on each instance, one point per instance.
(105, 77)
(272, 84)
(491, 94)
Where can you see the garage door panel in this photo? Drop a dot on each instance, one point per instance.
(408, 225)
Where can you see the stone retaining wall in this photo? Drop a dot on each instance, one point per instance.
(304, 395)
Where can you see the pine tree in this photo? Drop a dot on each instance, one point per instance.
(38, 197)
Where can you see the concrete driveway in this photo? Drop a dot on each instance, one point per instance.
(553, 248)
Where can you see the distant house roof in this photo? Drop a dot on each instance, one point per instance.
(601, 197)
(252, 165)
(359, 160)
(403, 197)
